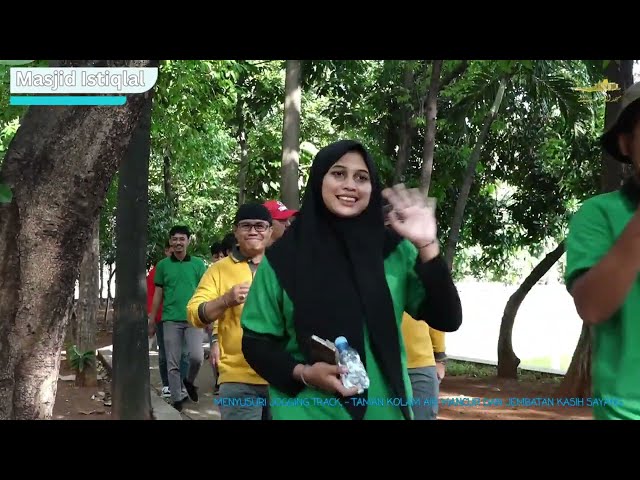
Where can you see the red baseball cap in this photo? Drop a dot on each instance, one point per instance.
(279, 210)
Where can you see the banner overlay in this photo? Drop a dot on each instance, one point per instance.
(82, 80)
(67, 100)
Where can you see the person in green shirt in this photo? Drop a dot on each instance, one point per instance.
(603, 262)
(176, 279)
(337, 271)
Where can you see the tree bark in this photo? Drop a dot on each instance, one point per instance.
(58, 165)
(461, 203)
(577, 380)
(87, 309)
(168, 183)
(130, 376)
(112, 272)
(455, 74)
(612, 172)
(244, 151)
(405, 133)
(507, 360)
(101, 273)
(431, 114)
(291, 136)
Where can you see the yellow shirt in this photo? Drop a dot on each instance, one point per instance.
(421, 342)
(217, 280)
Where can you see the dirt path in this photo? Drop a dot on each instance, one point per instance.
(462, 397)
(482, 396)
(83, 403)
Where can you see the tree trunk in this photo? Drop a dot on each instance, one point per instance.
(87, 310)
(577, 380)
(431, 114)
(620, 72)
(406, 126)
(101, 273)
(461, 203)
(59, 166)
(291, 136)
(390, 134)
(112, 272)
(168, 184)
(130, 378)
(455, 74)
(507, 360)
(244, 152)
(105, 321)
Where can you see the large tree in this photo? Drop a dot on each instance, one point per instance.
(58, 166)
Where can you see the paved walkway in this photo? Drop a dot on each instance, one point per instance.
(203, 410)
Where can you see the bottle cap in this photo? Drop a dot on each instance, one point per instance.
(341, 343)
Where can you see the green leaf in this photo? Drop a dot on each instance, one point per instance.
(79, 360)
(528, 64)
(15, 63)
(5, 193)
(505, 65)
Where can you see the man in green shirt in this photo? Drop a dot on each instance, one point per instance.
(176, 279)
(603, 262)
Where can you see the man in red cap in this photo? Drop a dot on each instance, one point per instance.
(282, 218)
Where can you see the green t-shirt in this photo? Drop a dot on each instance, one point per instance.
(178, 280)
(616, 352)
(269, 310)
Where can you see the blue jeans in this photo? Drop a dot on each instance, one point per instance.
(162, 358)
(426, 388)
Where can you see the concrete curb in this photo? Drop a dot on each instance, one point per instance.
(104, 355)
(160, 409)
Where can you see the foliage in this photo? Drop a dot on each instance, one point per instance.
(541, 157)
(540, 160)
(5, 193)
(9, 116)
(80, 360)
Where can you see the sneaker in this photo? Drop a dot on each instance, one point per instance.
(166, 393)
(192, 390)
(177, 406)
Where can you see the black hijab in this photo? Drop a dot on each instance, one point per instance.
(333, 270)
(631, 190)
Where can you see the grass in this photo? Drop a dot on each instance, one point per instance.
(546, 362)
(457, 368)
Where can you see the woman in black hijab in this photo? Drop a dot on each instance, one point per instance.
(339, 272)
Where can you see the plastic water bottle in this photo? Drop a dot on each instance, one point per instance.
(349, 357)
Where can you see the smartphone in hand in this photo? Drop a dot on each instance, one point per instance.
(323, 351)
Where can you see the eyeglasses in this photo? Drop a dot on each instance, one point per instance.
(259, 227)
